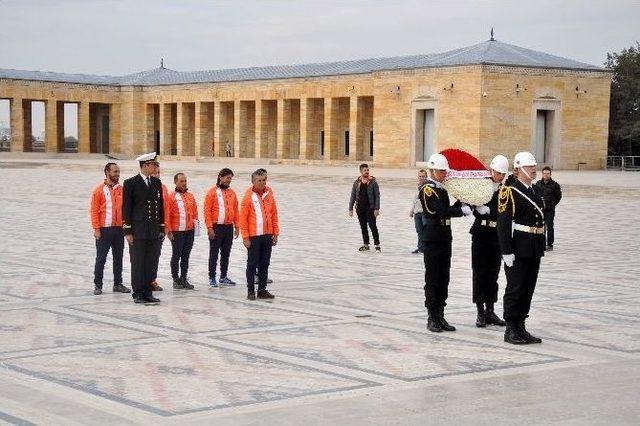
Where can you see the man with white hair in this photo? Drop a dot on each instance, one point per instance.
(436, 241)
(522, 243)
(485, 250)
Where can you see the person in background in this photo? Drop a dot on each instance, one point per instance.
(365, 197)
(416, 210)
(551, 193)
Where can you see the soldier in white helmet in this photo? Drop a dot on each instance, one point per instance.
(485, 250)
(522, 243)
(436, 241)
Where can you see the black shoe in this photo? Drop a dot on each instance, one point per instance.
(378, 249)
(138, 299)
(97, 291)
(178, 284)
(528, 337)
(512, 336)
(186, 284)
(443, 322)
(251, 296)
(549, 248)
(150, 300)
(264, 294)
(364, 248)
(433, 325)
(119, 288)
(416, 251)
(492, 318)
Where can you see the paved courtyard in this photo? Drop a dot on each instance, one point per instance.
(344, 342)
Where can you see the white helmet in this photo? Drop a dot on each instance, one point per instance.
(500, 164)
(523, 159)
(438, 162)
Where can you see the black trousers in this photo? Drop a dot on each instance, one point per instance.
(366, 217)
(437, 266)
(111, 237)
(180, 250)
(418, 220)
(144, 258)
(221, 244)
(485, 262)
(549, 216)
(521, 283)
(157, 258)
(259, 259)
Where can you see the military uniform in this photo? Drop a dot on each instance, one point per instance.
(143, 217)
(485, 262)
(520, 225)
(436, 240)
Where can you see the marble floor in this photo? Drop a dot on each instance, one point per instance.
(344, 342)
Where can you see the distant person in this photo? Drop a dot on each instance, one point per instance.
(365, 197)
(551, 193)
(260, 228)
(228, 149)
(106, 221)
(221, 215)
(416, 210)
(182, 218)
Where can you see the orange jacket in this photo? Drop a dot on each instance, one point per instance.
(212, 208)
(106, 206)
(259, 213)
(182, 211)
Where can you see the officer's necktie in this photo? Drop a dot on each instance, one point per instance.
(148, 181)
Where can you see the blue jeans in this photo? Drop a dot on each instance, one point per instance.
(111, 237)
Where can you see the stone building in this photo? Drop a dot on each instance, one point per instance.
(488, 98)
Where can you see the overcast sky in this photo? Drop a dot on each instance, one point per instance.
(119, 37)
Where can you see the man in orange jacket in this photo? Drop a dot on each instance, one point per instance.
(221, 217)
(260, 229)
(182, 218)
(106, 221)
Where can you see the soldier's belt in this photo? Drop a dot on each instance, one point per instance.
(489, 223)
(441, 222)
(529, 229)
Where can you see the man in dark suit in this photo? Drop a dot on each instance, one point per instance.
(521, 237)
(143, 224)
(551, 193)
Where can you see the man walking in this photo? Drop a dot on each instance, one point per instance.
(485, 250)
(365, 197)
(221, 217)
(260, 229)
(521, 237)
(416, 210)
(182, 217)
(436, 239)
(143, 224)
(106, 221)
(551, 194)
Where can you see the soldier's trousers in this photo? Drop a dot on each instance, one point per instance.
(485, 262)
(521, 283)
(437, 266)
(144, 258)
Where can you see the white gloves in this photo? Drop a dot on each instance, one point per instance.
(508, 259)
(466, 210)
(483, 209)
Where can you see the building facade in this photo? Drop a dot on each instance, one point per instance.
(487, 99)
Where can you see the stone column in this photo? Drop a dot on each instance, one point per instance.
(165, 129)
(280, 127)
(115, 130)
(51, 126)
(303, 129)
(84, 141)
(16, 115)
(328, 136)
(258, 120)
(354, 128)
(199, 131)
(236, 129)
(217, 130)
(180, 129)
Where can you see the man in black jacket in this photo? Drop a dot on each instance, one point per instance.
(551, 194)
(143, 224)
(521, 237)
(436, 240)
(365, 196)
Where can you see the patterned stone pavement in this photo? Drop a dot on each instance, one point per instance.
(343, 342)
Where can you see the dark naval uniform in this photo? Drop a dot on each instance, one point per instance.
(436, 240)
(485, 262)
(142, 215)
(521, 233)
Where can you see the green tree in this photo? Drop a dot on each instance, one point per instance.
(624, 119)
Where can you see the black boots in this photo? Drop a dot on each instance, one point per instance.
(481, 320)
(436, 321)
(492, 318)
(517, 334)
(433, 324)
(443, 322)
